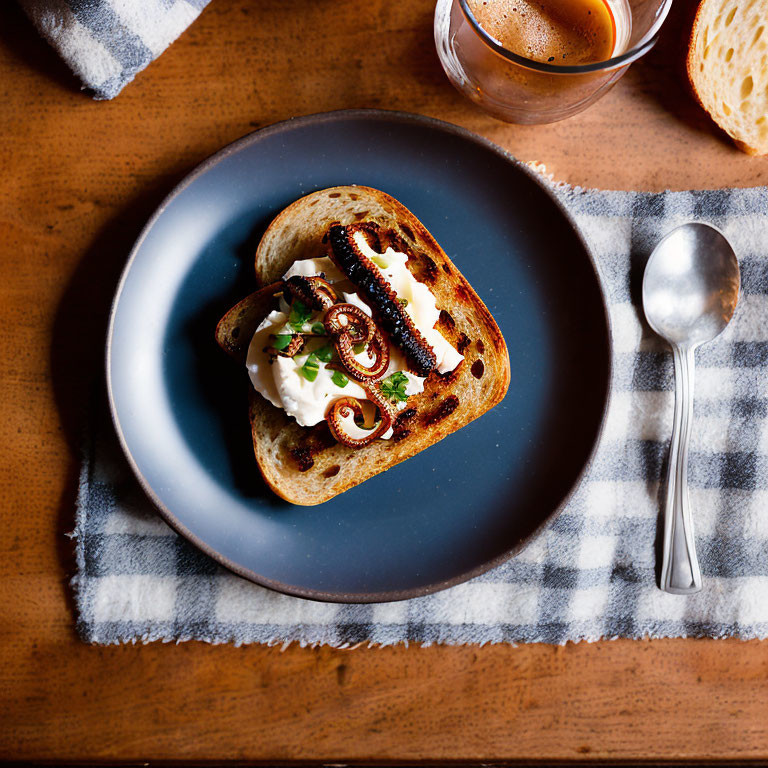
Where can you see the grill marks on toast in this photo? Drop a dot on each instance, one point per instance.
(443, 410)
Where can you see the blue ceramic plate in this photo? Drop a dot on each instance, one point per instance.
(452, 511)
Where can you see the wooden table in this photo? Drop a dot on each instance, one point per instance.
(79, 178)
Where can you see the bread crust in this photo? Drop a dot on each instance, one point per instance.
(690, 58)
(304, 465)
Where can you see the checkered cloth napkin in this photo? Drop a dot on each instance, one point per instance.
(108, 42)
(592, 572)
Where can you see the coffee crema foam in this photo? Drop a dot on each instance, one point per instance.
(564, 32)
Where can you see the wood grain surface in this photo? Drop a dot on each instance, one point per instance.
(79, 178)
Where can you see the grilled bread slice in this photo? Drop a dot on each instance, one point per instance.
(305, 465)
(728, 69)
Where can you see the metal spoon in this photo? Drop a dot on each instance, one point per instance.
(690, 290)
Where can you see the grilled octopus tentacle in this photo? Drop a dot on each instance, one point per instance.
(348, 325)
(344, 406)
(377, 292)
(350, 320)
(315, 292)
(376, 396)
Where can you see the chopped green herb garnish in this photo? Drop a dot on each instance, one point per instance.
(358, 348)
(403, 302)
(324, 354)
(393, 387)
(282, 340)
(300, 314)
(339, 379)
(310, 368)
(318, 328)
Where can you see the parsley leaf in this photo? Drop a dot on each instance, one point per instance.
(300, 314)
(358, 348)
(318, 328)
(324, 354)
(339, 379)
(393, 387)
(282, 340)
(310, 368)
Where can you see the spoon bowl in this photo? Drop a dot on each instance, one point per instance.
(690, 290)
(691, 285)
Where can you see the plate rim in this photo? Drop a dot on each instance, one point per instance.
(265, 132)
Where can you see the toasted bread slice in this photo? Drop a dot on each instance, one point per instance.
(728, 69)
(305, 465)
(235, 330)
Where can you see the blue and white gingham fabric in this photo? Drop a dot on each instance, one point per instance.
(592, 572)
(107, 42)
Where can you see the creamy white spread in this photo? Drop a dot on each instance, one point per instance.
(280, 379)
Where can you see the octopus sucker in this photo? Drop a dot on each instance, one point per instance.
(358, 268)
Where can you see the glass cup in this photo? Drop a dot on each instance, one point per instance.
(520, 90)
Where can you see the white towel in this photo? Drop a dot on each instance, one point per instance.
(107, 42)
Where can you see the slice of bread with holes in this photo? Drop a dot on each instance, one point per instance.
(728, 68)
(313, 463)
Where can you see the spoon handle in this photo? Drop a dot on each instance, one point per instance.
(680, 572)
